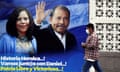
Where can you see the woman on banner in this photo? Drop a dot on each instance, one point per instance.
(19, 37)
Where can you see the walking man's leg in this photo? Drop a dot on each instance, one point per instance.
(87, 66)
(97, 66)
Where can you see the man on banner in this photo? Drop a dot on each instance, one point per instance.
(55, 38)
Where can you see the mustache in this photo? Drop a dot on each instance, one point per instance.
(61, 25)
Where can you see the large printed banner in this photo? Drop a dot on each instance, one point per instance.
(71, 61)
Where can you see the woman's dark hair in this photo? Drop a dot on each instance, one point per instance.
(11, 23)
(61, 7)
(90, 25)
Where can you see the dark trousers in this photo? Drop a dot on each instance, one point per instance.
(88, 64)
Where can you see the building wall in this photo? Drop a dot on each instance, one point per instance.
(105, 14)
(110, 61)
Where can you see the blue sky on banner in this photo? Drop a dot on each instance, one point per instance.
(6, 6)
(78, 9)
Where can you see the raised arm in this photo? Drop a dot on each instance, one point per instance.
(40, 12)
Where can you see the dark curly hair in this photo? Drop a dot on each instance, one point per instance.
(11, 23)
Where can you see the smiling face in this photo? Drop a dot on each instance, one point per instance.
(60, 20)
(22, 23)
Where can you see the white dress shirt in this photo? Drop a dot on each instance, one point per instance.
(62, 38)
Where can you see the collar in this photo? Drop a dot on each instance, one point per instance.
(59, 35)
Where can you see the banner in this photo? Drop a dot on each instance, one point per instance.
(71, 61)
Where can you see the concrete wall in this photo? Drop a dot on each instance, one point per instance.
(110, 61)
